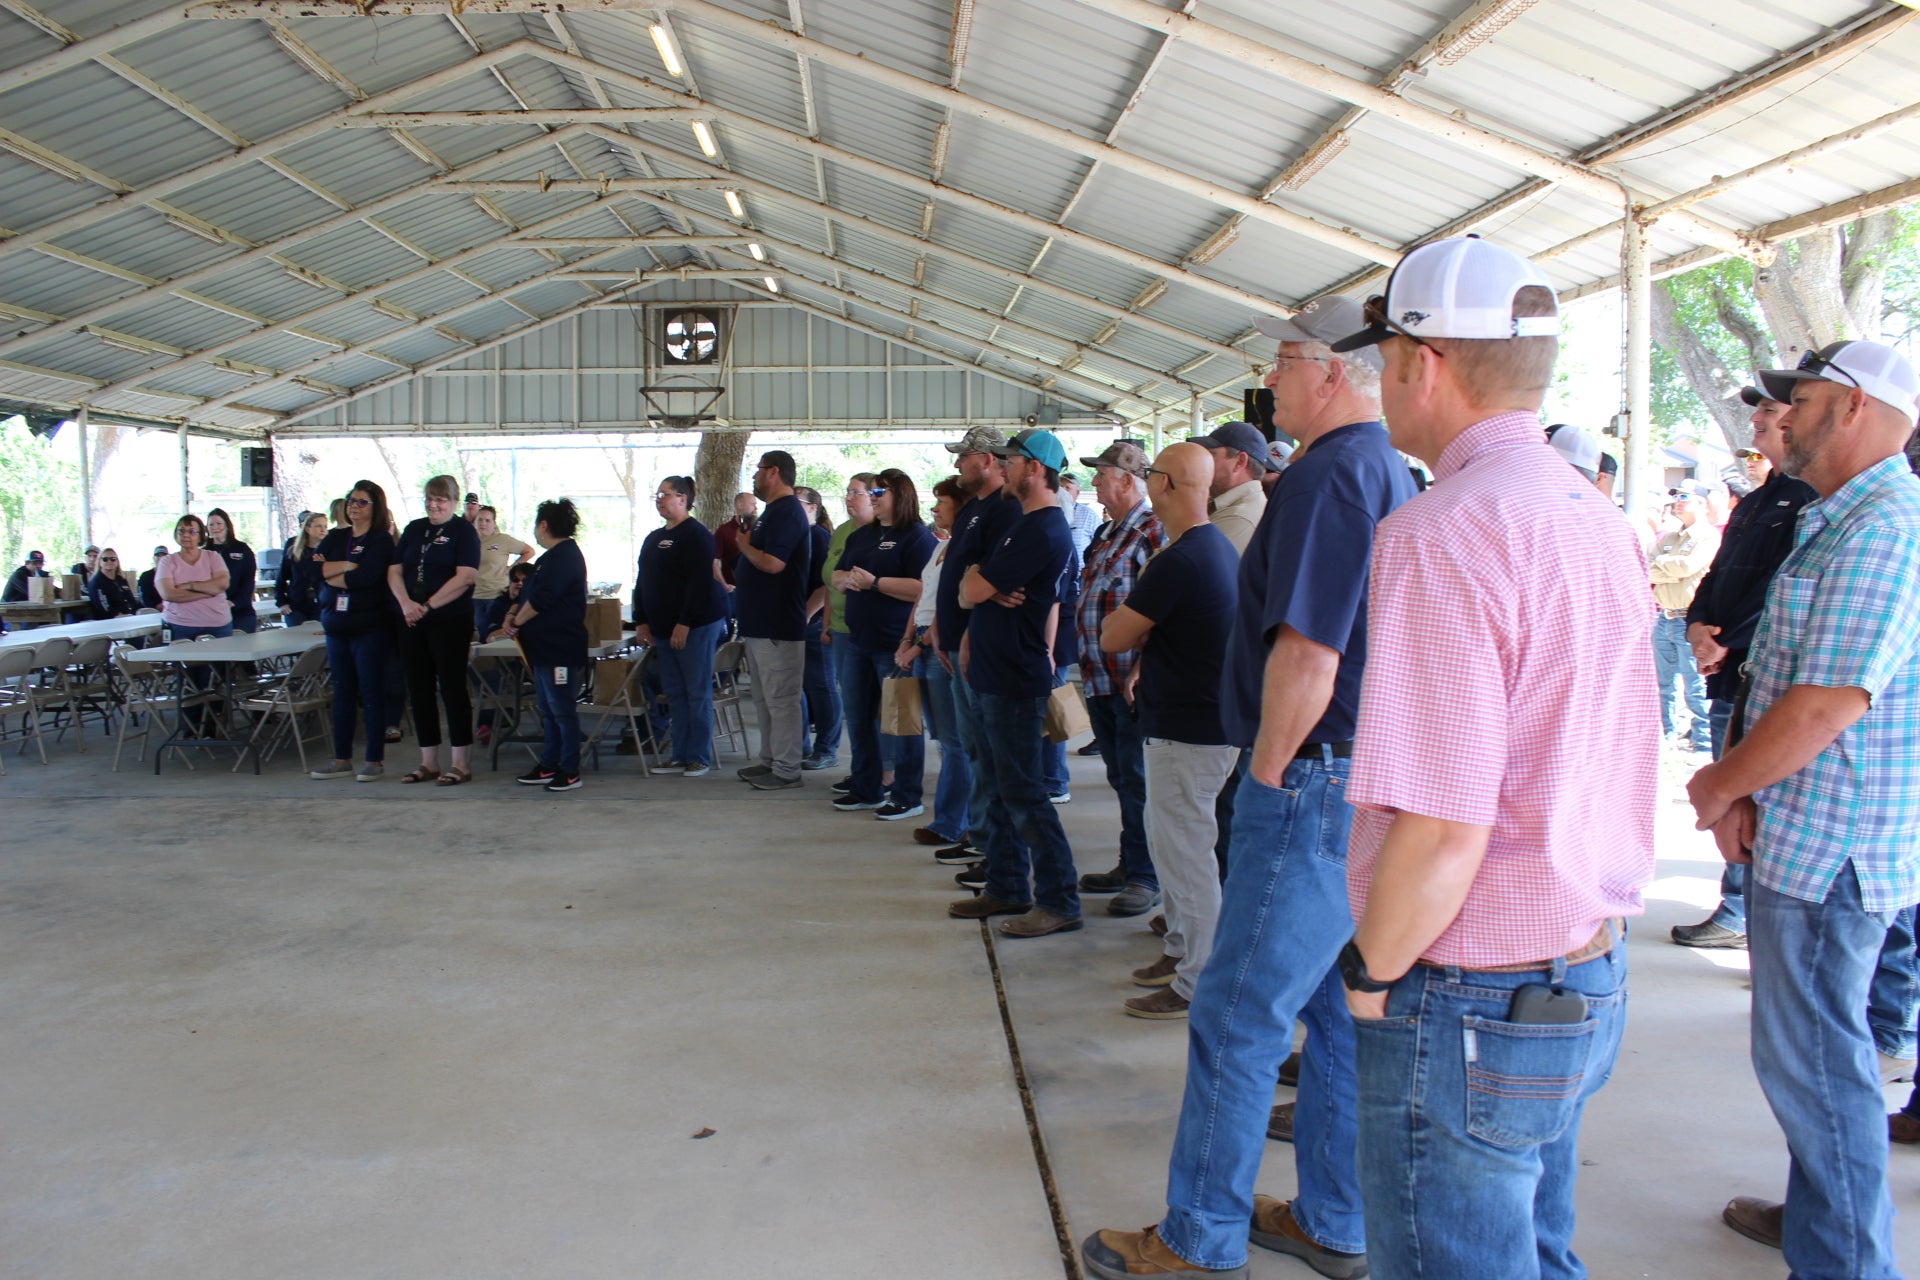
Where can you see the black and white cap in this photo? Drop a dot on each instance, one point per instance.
(1459, 288)
(1874, 367)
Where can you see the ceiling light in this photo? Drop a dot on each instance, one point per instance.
(194, 227)
(1216, 244)
(306, 277)
(386, 308)
(1458, 44)
(453, 335)
(664, 43)
(759, 254)
(126, 344)
(415, 148)
(734, 206)
(47, 162)
(773, 286)
(704, 136)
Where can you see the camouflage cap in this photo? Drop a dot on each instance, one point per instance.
(1126, 455)
(980, 440)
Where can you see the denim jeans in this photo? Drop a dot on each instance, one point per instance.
(849, 669)
(359, 664)
(1732, 911)
(686, 675)
(872, 750)
(1116, 727)
(201, 677)
(966, 724)
(1283, 920)
(1893, 996)
(1673, 660)
(1813, 1053)
(821, 692)
(955, 786)
(559, 716)
(1023, 832)
(1470, 1124)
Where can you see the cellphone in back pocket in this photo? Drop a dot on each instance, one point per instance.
(1546, 1006)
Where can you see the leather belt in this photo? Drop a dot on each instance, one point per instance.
(1611, 930)
(1673, 613)
(1313, 750)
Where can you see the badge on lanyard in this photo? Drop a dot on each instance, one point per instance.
(340, 603)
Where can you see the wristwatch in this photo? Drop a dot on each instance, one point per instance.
(1353, 970)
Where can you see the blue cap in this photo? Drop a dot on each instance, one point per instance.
(1042, 446)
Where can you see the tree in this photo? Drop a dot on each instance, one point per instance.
(716, 472)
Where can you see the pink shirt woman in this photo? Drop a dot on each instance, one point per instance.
(193, 581)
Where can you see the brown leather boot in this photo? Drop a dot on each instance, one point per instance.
(1903, 1128)
(981, 907)
(1121, 1255)
(1754, 1218)
(1274, 1228)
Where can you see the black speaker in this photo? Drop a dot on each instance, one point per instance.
(256, 468)
(1257, 410)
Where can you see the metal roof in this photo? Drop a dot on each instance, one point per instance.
(281, 215)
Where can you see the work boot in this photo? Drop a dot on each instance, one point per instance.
(1122, 1255)
(1274, 1228)
(1756, 1219)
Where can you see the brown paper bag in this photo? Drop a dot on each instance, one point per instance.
(1066, 715)
(609, 674)
(900, 707)
(70, 586)
(603, 621)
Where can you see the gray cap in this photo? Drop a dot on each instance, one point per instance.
(1324, 320)
(1239, 437)
(1690, 491)
(1126, 455)
(980, 440)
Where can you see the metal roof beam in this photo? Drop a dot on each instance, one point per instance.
(82, 51)
(560, 116)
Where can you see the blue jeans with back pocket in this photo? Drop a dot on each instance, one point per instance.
(1469, 1123)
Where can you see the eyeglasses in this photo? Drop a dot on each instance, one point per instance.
(664, 494)
(1305, 359)
(359, 502)
(1375, 312)
(1164, 475)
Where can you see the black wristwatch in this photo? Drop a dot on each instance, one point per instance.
(1353, 970)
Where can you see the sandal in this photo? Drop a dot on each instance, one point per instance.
(455, 776)
(422, 774)
(393, 735)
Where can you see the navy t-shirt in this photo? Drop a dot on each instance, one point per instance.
(363, 602)
(1306, 568)
(1188, 592)
(773, 606)
(557, 592)
(1007, 648)
(242, 569)
(429, 553)
(875, 620)
(978, 528)
(676, 585)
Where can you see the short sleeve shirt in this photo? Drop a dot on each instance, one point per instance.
(430, 553)
(773, 606)
(1007, 647)
(497, 555)
(1188, 592)
(363, 601)
(1306, 568)
(978, 528)
(875, 620)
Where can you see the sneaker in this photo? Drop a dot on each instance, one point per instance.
(1157, 974)
(843, 786)
(1125, 1255)
(695, 770)
(484, 735)
(981, 907)
(812, 763)
(850, 804)
(538, 776)
(371, 771)
(329, 771)
(1290, 1070)
(752, 771)
(955, 855)
(669, 766)
(1091, 749)
(771, 781)
(1280, 1123)
(895, 812)
(1895, 1070)
(563, 781)
(928, 836)
(1709, 934)
(1103, 881)
(1274, 1228)
(974, 877)
(1163, 1004)
(1038, 923)
(1134, 900)
(1064, 797)
(1756, 1219)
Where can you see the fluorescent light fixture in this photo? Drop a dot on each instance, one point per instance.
(415, 148)
(387, 309)
(759, 254)
(734, 206)
(306, 277)
(50, 164)
(704, 136)
(668, 55)
(194, 227)
(453, 335)
(125, 344)
(773, 286)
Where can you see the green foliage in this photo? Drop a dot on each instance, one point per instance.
(39, 498)
(1901, 257)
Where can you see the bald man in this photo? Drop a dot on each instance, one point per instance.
(1178, 616)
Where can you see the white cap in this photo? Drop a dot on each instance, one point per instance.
(1580, 448)
(1460, 288)
(1279, 453)
(1875, 368)
(1322, 320)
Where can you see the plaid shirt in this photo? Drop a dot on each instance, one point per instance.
(1843, 612)
(1114, 559)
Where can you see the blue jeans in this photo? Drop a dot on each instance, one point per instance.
(1283, 920)
(1732, 911)
(200, 677)
(1813, 1053)
(1470, 1124)
(359, 664)
(1023, 831)
(821, 693)
(559, 716)
(1116, 727)
(686, 675)
(873, 750)
(955, 787)
(1673, 660)
(1893, 996)
(966, 724)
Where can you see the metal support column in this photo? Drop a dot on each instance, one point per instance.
(1197, 425)
(186, 490)
(86, 479)
(1636, 284)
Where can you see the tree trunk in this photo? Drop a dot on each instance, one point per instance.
(716, 475)
(295, 485)
(396, 498)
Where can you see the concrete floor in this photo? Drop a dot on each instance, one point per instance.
(273, 1027)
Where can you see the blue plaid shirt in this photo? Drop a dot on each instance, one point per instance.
(1844, 611)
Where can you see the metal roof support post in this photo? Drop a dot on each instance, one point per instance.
(1197, 424)
(1637, 287)
(86, 481)
(186, 491)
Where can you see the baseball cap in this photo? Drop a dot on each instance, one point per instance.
(1279, 453)
(1322, 320)
(159, 551)
(1127, 455)
(1690, 491)
(979, 440)
(1458, 288)
(1748, 451)
(1043, 447)
(36, 557)
(1754, 397)
(1578, 447)
(1237, 436)
(1876, 369)
(473, 497)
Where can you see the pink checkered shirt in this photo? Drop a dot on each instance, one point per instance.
(1509, 683)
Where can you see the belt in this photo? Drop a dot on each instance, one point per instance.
(1598, 945)
(1673, 613)
(1318, 750)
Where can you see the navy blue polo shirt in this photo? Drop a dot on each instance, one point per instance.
(1007, 651)
(875, 620)
(773, 606)
(1306, 568)
(1188, 592)
(978, 528)
(676, 583)
(429, 553)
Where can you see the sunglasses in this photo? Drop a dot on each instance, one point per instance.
(359, 502)
(1155, 471)
(876, 493)
(1814, 362)
(1375, 312)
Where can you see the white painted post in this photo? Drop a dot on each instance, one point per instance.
(1636, 280)
(186, 491)
(86, 480)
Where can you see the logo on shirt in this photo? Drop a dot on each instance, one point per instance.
(357, 550)
(887, 546)
(440, 541)
(665, 543)
(233, 555)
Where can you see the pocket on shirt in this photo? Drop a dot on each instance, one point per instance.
(1523, 1080)
(1789, 605)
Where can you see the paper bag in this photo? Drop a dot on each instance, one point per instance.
(1066, 715)
(603, 621)
(70, 586)
(609, 675)
(39, 590)
(900, 707)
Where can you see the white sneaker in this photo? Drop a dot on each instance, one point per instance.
(696, 770)
(1065, 797)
